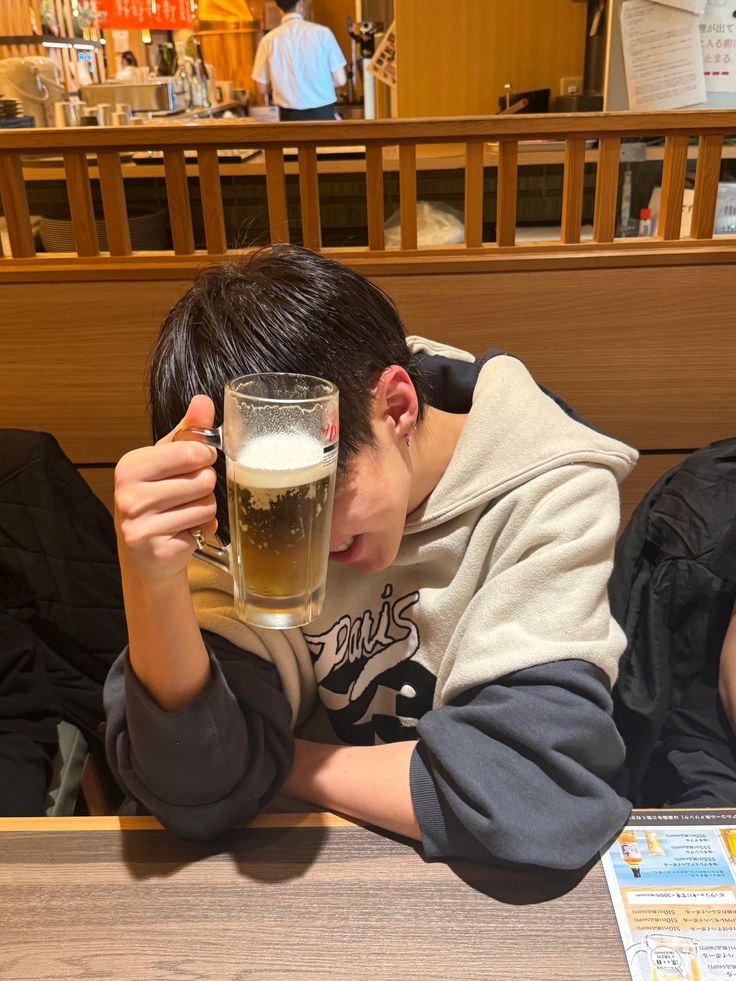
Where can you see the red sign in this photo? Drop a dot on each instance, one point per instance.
(161, 15)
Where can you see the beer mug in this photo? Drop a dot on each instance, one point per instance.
(670, 958)
(279, 436)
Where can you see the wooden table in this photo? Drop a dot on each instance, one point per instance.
(295, 896)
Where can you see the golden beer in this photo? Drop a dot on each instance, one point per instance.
(280, 495)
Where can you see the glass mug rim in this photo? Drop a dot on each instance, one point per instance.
(330, 393)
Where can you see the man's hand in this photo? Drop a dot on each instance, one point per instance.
(161, 492)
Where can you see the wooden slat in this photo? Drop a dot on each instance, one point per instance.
(673, 187)
(508, 158)
(80, 203)
(177, 193)
(15, 206)
(374, 196)
(278, 215)
(211, 194)
(309, 198)
(408, 195)
(473, 195)
(606, 189)
(113, 203)
(707, 175)
(572, 190)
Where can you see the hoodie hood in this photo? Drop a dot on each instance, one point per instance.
(514, 433)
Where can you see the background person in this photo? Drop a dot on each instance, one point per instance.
(128, 71)
(301, 64)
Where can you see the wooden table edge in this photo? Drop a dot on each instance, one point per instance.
(267, 821)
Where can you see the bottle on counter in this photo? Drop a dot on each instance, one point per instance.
(628, 226)
(183, 82)
(645, 223)
(200, 81)
(630, 852)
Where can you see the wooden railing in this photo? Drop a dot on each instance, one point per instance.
(74, 146)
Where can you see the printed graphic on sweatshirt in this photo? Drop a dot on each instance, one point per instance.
(369, 680)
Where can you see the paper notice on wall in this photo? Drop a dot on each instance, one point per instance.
(120, 40)
(692, 6)
(718, 42)
(662, 56)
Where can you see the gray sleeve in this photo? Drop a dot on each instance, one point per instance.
(521, 770)
(214, 763)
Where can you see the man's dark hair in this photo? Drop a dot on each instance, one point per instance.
(281, 308)
(287, 5)
(128, 58)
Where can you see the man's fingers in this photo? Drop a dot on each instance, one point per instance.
(161, 527)
(165, 461)
(137, 498)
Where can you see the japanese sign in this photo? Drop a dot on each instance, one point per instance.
(718, 41)
(166, 15)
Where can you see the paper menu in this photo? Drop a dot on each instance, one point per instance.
(672, 879)
(662, 56)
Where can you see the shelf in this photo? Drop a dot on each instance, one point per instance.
(48, 41)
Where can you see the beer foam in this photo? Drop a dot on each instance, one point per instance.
(279, 460)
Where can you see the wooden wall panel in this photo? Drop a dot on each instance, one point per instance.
(632, 349)
(629, 348)
(454, 58)
(74, 358)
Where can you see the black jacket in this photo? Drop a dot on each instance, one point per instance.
(672, 591)
(61, 611)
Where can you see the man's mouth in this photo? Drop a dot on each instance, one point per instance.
(348, 551)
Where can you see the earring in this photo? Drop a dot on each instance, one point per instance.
(408, 440)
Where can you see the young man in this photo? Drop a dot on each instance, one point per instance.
(299, 65)
(466, 649)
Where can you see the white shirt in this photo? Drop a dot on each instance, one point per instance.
(297, 60)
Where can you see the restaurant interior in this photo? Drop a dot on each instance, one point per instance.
(554, 179)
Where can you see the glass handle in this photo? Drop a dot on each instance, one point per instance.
(206, 551)
(213, 554)
(212, 437)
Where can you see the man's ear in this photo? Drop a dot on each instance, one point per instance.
(395, 401)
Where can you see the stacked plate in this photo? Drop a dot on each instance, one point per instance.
(10, 108)
(148, 232)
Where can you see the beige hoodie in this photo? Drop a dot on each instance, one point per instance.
(503, 567)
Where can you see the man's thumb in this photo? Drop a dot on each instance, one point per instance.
(200, 412)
